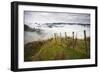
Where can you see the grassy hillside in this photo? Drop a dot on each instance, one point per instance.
(57, 49)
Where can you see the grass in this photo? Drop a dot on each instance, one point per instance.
(57, 49)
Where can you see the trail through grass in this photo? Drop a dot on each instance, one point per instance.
(56, 50)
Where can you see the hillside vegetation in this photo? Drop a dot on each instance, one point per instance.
(57, 48)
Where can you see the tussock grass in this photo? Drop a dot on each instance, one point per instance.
(57, 49)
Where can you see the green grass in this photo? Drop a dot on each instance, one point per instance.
(59, 49)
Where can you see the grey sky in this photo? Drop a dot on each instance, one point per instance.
(31, 17)
(48, 22)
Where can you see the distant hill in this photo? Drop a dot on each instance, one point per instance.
(50, 25)
(27, 28)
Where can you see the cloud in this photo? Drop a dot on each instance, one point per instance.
(47, 17)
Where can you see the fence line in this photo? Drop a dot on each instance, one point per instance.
(58, 38)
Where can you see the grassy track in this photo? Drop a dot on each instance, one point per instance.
(59, 49)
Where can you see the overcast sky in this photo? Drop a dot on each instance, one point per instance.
(31, 17)
(45, 21)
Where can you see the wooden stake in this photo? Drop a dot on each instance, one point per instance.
(76, 39)
(65, 35)
(85, 40)
(55, 36)
(60, 37)
(73, 39)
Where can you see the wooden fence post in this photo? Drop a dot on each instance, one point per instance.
(85, 40)
(55, 37)
(76, 39)
(60, 37)
(65, 35)
(73, 39)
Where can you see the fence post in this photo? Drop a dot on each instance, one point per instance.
(85, 40)
(76, 39)
(55, 37)
(65, 35)
(60, 38)
(73, 39)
